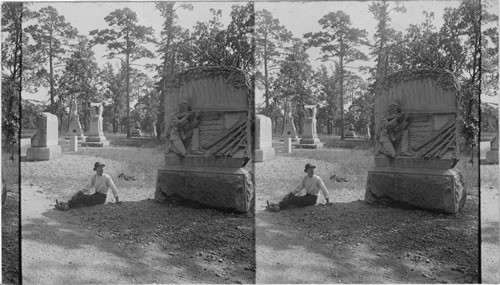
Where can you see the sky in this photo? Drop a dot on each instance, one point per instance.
(298, 17)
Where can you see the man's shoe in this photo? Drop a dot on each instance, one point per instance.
(61, 206)
(273, 207)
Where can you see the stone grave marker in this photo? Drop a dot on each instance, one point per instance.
(492, 154)
(75, 128)
(287, 145)
(73, 143)
(263, 139)
(416, 142)
(208, 118)
(96, 136)
(310, 138)
(45, 142)
(136, 131)
(289, 130)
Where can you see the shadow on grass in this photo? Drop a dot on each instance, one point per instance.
(366, 241)
(149, 237)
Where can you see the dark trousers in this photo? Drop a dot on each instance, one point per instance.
(291, 200)
(87, 200)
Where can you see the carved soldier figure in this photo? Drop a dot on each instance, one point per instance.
(393, 133)
(183, 131)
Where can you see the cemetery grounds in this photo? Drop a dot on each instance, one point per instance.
(138, 241)
(350, 241)
(141, 241)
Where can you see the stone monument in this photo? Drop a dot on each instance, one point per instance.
(492, 154)
(45, 142)
(310, 138)
(289, 130)
(350, 133)
(75, 128)
(416, 142)
(263, 139)
(96, 136)
(136, 131)
(208, 114)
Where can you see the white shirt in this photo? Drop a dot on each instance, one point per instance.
(312, 185)
(101, 184)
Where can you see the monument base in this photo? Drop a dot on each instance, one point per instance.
(227, 188)
(95, 144)
(264, 154)
(492, 157)
(189, 160)
(43, 153)
(294, 139)
(430, 189)
(310, 143)
(410, 162)
(95, 141)
(80, 138)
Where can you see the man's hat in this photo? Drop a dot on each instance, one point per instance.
(97, 164)
(308, 166)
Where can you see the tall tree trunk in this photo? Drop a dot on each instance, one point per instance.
(266, 77)
(128, 87)
(51, 78)
(341, 97)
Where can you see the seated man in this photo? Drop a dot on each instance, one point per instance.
(101, 182)
(312, 184)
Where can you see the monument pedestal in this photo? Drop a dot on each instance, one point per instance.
(213, 184)
(310, 143)
(43, 153)
(293, 139)
(96, 141)
(264, 154)
(79, 138)
(432, 188)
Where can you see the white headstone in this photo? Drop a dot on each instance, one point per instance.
(45, 143)
(287, 145)
(74, 143)
(263, 139)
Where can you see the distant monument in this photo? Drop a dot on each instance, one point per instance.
(75, 128)
(136, 131)
(416, 142)
(96, 136)
(45, 142)
(309, 138)
(350, 133)
(208, 135)
(263, 139)
(492, 154)
(289, 130)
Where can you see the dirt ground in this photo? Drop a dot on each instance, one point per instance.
(490, 228)
(138, 241)
(10, 222)
(350, 241)
(141, 241)
(10, 237)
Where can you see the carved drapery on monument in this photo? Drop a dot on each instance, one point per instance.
(416, 141)
(208, 112)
